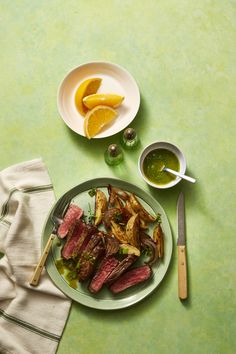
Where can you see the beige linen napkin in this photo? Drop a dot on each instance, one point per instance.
(31, 318)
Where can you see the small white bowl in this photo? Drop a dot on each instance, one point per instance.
(115, 79)
(162, 145)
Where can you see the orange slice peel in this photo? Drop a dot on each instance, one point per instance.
(86, 88)
(97, 118)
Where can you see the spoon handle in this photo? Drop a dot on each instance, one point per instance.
(190, 179)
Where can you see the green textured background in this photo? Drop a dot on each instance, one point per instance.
(182, 54)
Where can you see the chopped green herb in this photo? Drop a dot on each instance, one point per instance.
(92, 192)
(158, 218)
(89, 257)
(91, 219)
(86, 256)
(84, 218)
(146, 251)
(78, 265)
(71, 275)
(123, 251)
(69, 263)
(91, 215)
(118, 217)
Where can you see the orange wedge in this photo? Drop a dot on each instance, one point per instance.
(104, 99)
(87, 87)
(97, 118)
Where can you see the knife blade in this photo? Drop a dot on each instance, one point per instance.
(181, 244)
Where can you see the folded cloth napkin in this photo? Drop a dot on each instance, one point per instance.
(32, 319)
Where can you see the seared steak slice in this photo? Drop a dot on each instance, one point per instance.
(79, 231)
(89, 260)
(130, 278)
(105, 268)
(112, 245)
(92, 230)
(73, 213)
(84, 240)
(93, 241)
(121, 268)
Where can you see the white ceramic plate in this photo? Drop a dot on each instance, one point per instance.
(115, 79)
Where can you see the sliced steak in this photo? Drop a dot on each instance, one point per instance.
(130, 278)
(93, 241)
(79, 231)
(121, 268)
(92, 230)
(88, 262)
(86, 256)
(106, 267)
(112, 245)
(73, 213)
(84, 240)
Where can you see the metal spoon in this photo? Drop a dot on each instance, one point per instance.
(190, 179)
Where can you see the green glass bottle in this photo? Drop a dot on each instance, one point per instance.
(129, 138)
(113, 155)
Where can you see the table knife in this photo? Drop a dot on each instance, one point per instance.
(181, 244)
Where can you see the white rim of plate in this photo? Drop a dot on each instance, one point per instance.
(103, 134)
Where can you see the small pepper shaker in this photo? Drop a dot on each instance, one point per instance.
(113, 155)
(129, 138)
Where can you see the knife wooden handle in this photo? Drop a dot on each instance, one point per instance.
(38, 270)
(182, 273)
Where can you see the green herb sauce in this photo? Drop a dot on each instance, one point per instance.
(69, 269)
(154, 163)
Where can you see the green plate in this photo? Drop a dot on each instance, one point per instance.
(105, 300)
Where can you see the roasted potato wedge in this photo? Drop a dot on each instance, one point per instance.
(129, 208)
(114, 200)
(132, 231)
(143, 224)
(139, 209)
(158, 237)
(128, 249)
(100, 206)
(118, 232)
(118, 203)
(112, 195)
(121, 194)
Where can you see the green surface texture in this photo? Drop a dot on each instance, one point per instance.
(183, 56)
